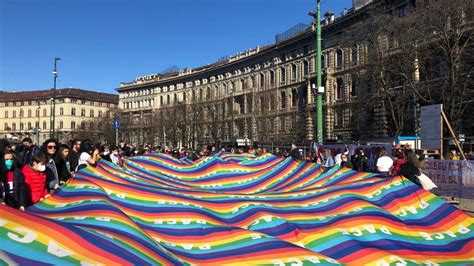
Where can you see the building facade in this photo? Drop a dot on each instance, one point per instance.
(266, 94)
(28, 113)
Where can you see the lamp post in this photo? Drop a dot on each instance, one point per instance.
(53, 99)
(21, 128)
(38, 126)
(319, 89)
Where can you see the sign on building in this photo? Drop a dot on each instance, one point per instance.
(431, 127)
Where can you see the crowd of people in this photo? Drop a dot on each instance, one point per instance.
(30, 173)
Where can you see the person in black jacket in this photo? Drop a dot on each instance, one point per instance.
(411, 169)
(63, 165)
(25, 151)
(74, 152)
(50, 147)
(360, 161)
(13, 182)
(295, 152)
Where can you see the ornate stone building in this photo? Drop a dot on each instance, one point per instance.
(21, 113)
(266, 94)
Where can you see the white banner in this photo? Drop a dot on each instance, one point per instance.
(453, 178)
(451, 172)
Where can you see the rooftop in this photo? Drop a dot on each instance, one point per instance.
(60, 93)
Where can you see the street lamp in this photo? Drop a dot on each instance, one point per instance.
(38, 126)
(319, 89)
(53, 98)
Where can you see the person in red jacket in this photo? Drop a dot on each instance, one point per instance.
(36, 187)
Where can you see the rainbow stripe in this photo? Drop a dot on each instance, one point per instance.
(236, 209)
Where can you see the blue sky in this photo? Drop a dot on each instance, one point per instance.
(104, 42)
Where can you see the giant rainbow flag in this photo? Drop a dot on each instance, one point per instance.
(235, 209)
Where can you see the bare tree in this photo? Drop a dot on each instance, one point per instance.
(445, 50)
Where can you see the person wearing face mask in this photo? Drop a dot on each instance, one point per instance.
(105, 153)
(36, 186)
(115, 156)
(12, 182)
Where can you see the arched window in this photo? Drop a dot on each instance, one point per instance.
(262, 80)
(294, 97)
(161, 100)
(272, 78)
(83, 112)
(45, 112)
(29, 126)
(6, 126)
(73, 111)
(355, 54)
(83, 125)
(339, 89)
(176, 97)
(21, 113)
(14, 114)
(208, 93)
(354, 86)
(252, 81)
(200, 94)
(306, 68)
(73, 125)
(13, 126)
(224, 88)
(293, 72)
(282, 74)
(22, 126)
(168, 99)
(339, 57)
(283, 100)
(37, 112)
(29, 112)
(45, 126)
(242, 84)
(61, 124)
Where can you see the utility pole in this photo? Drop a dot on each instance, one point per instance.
(53, 99)
(319, 89)
(319, 95)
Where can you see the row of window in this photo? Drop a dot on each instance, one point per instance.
(283, 57)
(60, 100)
(29, 126)
(45, 113)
